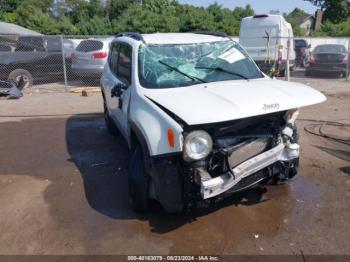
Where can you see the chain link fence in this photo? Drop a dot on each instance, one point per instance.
(78, 61)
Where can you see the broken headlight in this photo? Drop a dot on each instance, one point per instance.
(197, 145)
(291, 116)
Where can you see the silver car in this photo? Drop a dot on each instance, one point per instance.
(90, 57)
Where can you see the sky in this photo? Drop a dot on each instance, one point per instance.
(260, 6)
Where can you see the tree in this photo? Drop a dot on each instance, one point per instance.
(336, 11)
(34, 18)
(115, 8)
(197, 18)
(9, 5)
(139, 19)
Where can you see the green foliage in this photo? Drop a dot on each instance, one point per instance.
(96, 17)
(9, 5)
(34, 18)
(330, 29)
(336, 11)
(336, 18)
(8, 17)
(139, 19)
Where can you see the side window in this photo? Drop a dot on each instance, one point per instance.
(113, 58)
(124, 63)
(54, 44)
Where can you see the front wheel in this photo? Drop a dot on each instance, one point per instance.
(139, 181)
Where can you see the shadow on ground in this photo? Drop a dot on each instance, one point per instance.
(102, 161)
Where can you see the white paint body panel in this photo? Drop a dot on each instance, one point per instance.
(230, 100)
(182, 38)
(253, 38)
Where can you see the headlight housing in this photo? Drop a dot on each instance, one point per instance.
(197, 145)
(291, 116)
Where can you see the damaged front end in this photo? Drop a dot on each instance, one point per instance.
(241, 154)
(246, 153)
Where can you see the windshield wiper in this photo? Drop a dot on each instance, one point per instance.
(222, 70)
(182, 73)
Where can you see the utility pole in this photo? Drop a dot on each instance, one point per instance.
(287, 69)
(348, 63)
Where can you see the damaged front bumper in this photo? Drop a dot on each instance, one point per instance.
(211, 187)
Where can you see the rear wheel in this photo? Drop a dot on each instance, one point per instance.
(139, 181)
(22, 78)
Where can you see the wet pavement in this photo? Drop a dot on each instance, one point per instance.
(63, 190)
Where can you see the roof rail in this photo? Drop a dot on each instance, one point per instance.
(260, 16)
(200, 32)
(133, 35)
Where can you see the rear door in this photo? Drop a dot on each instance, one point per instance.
(124, 75)
(260, 37)
(120, 65)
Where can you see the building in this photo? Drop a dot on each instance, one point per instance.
(305, 22)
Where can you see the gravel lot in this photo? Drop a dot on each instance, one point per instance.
(63, 183)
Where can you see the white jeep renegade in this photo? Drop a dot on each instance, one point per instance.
(201, 119)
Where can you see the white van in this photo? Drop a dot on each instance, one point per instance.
(265, 37)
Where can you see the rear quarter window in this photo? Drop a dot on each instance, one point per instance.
(89, 46)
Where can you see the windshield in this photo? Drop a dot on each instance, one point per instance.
(330, 49)
(165, 66)
(300, 43)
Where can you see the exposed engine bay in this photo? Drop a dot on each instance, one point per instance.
(246, 153)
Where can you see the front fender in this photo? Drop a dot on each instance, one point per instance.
(153, 124)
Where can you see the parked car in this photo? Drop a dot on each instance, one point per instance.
(89, 58)
(34, 58)
(69, 47)
(265, 37)
(302, 51)
(328, 58)
(202, 121)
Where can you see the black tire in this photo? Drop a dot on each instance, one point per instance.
(138, 181)
(111, 127)
(15, 76)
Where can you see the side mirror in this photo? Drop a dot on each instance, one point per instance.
(118, 89)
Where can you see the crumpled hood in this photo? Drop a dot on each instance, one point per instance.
(230, 100)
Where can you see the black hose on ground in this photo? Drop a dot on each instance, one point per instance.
(316, 129)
